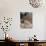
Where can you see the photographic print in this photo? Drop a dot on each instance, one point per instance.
(26, 19)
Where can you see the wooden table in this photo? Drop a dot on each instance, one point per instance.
(30, 43)
(27, 42)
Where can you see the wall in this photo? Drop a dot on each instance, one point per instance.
(12, 8)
